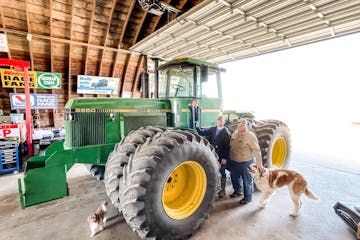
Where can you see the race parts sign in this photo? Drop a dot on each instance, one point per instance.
(37, 101)
(40, 80)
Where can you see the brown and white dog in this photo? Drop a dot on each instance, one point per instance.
(96, 220)
(272, 179)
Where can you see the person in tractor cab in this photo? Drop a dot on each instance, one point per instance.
(244, 151)
(219, 137)
(194, 113)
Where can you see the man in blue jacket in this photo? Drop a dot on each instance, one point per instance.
(219, 137)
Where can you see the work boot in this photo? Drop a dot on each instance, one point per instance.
(235, 195)
(222, 192)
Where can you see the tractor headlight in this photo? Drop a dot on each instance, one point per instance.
(112, 116)
(69, 115)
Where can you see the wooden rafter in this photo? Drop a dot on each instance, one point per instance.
(127, 20)
(90, 30)
(126, 65)
(70, 48)
(6, 33)
(180, 5)
(137, 33)
(106, 36)
(67, 41)
(157, 20)
(51, 42)
(137, 74)
(4, 28)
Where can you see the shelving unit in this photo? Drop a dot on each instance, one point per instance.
(9, 156)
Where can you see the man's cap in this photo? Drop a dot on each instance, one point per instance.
(242, 120)
(220, 118)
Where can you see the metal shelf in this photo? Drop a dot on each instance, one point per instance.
(9, 156)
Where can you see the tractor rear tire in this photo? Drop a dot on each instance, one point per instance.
(96, 171)
(170, 185)
(275, 143)
(119, 158)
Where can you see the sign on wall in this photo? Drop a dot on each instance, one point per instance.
(3, 43)
(9, 131)
(40, 80)
(47, 80)
(37, 101)
(97, 85)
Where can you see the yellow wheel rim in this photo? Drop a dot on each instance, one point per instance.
(279, 152)
(184, 190)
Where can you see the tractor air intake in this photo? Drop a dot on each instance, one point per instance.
(84, 129)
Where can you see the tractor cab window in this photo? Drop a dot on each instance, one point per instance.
(209, 86)
(179, 81)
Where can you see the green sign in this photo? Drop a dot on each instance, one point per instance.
(48, 80)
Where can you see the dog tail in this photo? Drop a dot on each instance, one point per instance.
(309, 194)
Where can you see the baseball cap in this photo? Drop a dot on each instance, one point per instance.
(220, 118)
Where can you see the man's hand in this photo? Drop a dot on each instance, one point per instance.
(261, 168)
(223, 161)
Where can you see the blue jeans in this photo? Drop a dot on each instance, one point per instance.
(222, 171)
(240, 177)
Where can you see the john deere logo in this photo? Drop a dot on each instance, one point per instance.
(49, 80)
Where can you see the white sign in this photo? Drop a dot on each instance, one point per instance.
(97, 85)
(37, 101)
(126, 95)
(3, 43)
(9, 131)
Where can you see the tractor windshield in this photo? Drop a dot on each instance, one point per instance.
(178, 81)
(189, 81)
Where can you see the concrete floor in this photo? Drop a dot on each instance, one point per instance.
(65, 218)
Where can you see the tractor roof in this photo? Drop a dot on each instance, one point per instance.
(194, 61)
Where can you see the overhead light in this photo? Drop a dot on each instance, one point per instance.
(320, 15)
(157, 7)
(312, 6)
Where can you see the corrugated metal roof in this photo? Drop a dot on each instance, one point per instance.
(224, 30)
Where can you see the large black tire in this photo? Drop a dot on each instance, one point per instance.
(275, 143)
(96, 171)
(119, 158)
(161, 177)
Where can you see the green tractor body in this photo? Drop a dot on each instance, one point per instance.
(94, 125)
(151, 155)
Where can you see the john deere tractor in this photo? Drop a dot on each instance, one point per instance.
(161, 175)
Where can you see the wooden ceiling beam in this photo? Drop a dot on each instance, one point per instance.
(51, 42)
(68, 41)
(127, 20)
(5, 31)
(126, 65)
(121, 39)
(138, 30)
(4, 28)
(90, 30)
(180, 6)
(107, 34)
(70, 49)
(137, 74)
(157, 20)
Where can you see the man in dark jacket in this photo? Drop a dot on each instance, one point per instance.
(194, 113)
(219, 137)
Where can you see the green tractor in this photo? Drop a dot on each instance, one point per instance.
(161, 175)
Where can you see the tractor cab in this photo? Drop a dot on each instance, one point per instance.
(184, 79)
